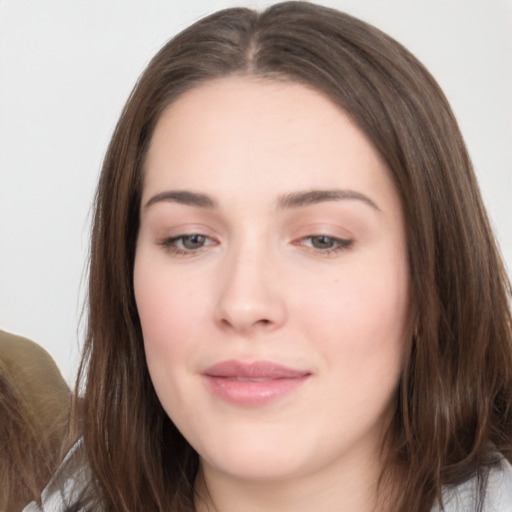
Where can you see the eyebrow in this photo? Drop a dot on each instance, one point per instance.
(310, 197)
(287, 201)
(183, 197)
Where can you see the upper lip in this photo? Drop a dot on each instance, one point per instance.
(253, 370)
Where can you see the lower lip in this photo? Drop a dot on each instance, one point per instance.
(253, 393)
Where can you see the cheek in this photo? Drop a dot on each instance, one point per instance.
(163, 301)
(164, 317)
(168, 323)
(358, 316)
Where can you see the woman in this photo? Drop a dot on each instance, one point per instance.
(296, 302)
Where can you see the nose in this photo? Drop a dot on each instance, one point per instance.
(250, 297)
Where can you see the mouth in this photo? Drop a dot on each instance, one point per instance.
(253, 384)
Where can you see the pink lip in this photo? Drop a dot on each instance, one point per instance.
(252, 384)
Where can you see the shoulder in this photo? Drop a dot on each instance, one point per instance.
(67, 485)
(498, 497)
(498, 492)
(20, 351)
(35, 371)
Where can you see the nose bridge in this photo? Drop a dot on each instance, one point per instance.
(249, 297)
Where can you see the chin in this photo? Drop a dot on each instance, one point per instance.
(259, 462)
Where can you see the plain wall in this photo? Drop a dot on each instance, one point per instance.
(66, 69)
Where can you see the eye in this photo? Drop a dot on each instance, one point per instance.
(325, 244)
(192, 242)
(186, 244)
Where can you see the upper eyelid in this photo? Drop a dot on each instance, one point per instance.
(164, 230)
(175, 245)
(293, 230)
(331, 230)
(186, 235)
(308, 234)
(333, 237)
(338, 239)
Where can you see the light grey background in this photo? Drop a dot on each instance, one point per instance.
(66, 69)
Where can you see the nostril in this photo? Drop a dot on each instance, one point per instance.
(225, 322)
(262, 322)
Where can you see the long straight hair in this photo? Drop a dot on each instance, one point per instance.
(34, 418)
(453, 402)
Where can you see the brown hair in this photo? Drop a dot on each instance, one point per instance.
(34, 402)
(453, 412)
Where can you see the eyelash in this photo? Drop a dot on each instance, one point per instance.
(339, 245)
(171, 244)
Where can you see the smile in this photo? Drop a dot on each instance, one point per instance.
(252, 384)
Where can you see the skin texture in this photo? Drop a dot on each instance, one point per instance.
(261, 285)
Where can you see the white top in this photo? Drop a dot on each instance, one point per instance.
(63, 489)
(65, 486)
(498, 496)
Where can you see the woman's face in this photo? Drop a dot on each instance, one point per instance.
(271, 281)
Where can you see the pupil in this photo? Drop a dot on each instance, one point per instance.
(193, 241)
(321, 242)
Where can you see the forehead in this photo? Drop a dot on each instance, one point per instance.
(271, 135)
